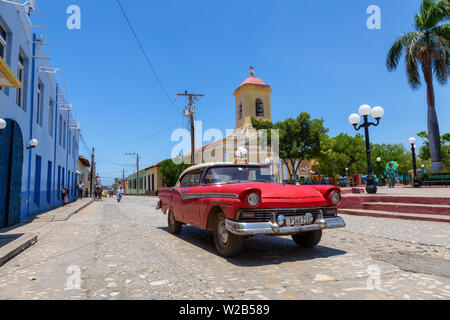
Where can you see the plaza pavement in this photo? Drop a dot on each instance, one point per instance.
(124, 251)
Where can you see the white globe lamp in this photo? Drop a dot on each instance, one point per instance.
(377, 112)
(365, 110)
(354, 119)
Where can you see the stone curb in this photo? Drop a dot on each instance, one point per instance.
(79, 209)
(17, 246)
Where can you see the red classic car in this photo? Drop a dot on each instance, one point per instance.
(236, 201)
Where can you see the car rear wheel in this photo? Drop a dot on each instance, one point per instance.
(227, 244)
(307, 239)
(174, 226)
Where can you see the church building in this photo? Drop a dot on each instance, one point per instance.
(252, 100)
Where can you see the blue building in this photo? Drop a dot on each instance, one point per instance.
(33, 110)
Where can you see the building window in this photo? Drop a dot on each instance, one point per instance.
(240, 112)
(259, 108)
(37, 181)
(69, 181)
(20, 75)
(50, 117)
(60, 129)
(39, 104)
(3, 41)
(51, 114)
(49, 182)
(58, 187)
(64, 133)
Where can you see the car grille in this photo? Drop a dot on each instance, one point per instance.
(264, 215)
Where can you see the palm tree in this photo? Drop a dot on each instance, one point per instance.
(429, 47)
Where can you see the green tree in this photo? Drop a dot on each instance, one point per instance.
(171, 172)
(299, 139)
(341, 152)
(429, 48)
(391, 152)
(424, 150)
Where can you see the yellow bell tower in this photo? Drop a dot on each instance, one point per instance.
(252, 101)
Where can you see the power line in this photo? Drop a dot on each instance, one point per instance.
(141, 139)
(152, 69)
(109, 160)
(145, 54)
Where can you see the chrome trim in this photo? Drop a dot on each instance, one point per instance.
(320, 220)
(209, 195)
(280, 210)
(272, 228)
(185, 196)
(158, 204)
(284, 211)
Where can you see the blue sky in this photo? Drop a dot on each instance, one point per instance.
(318, 57)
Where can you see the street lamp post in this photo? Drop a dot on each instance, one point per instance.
(379, 170)
(354, 119)
(412, 141)
(346, 173)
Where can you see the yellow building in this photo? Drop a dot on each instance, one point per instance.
(150, 181)
(252, 101)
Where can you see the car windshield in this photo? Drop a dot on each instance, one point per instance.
(235, 174)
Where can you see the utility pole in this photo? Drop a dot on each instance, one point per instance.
(189, 112)
(92, 172)
(136, 155)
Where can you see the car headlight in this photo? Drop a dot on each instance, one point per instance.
(335, 197)
(253, 199)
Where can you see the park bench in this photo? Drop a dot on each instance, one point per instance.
(438, 180)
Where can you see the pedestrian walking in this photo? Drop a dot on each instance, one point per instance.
(64, 193)
(390, 173)
(98, 193)
(80, 190)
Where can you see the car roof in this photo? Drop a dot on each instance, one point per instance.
(218, 164)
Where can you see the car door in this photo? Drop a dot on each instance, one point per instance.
(190, 197)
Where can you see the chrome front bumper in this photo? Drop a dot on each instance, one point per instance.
(272, 228)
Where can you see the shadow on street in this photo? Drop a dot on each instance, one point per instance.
(258, 250)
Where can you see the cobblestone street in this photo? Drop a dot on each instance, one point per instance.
(124, 251)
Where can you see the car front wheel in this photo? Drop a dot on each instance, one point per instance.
(174, 226)
(307, 239)
(227, 244)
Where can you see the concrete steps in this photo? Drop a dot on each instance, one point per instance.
(435, 209)
(408, 207)
(396, 215)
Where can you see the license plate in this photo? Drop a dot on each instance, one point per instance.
(299, 220)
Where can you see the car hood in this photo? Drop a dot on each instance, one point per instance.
(276, 191)
(271, 190)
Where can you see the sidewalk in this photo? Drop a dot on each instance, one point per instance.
(17, 238)
(404, 191)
